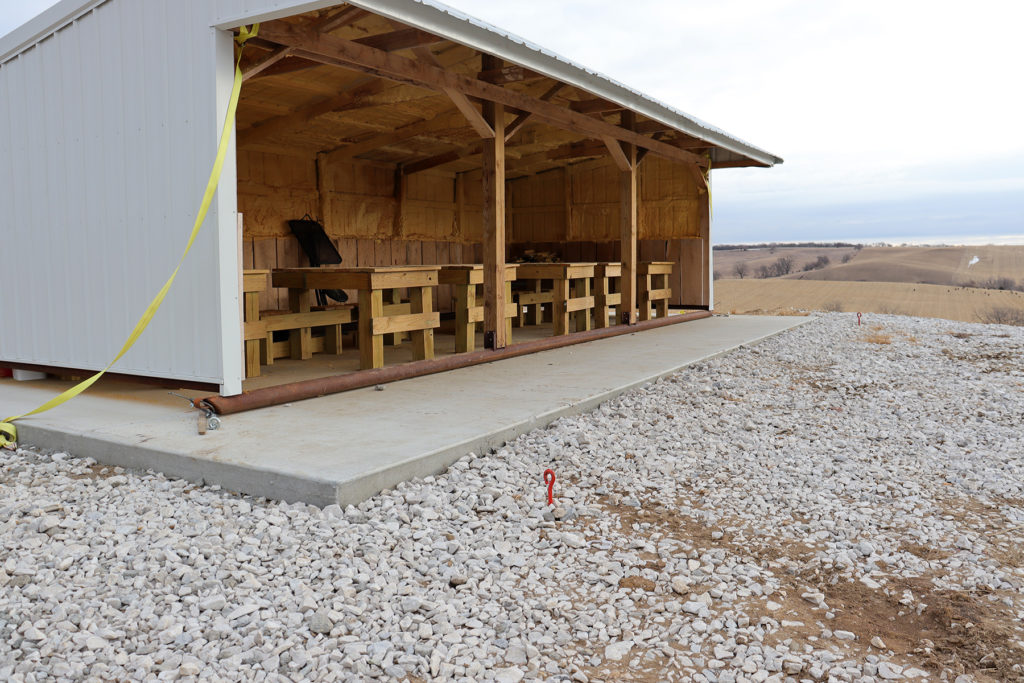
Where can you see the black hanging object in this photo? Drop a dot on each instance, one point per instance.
(320, 251)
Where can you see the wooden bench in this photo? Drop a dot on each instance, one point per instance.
(375, 319)
(654, 288)
(259, 326)
(466, 278)
(531, 304)
(606, 296)
(571, 291)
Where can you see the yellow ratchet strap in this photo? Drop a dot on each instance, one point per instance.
(8, 432)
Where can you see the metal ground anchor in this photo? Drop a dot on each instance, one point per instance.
(207, 418)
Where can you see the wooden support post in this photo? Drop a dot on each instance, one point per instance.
(422, 339)
(301, 339)
(628, 222)
(494, 221)
(371, 346)
(707, 254)
(628, 210)
(559, 307)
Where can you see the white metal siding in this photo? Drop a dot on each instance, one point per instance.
(108, 128)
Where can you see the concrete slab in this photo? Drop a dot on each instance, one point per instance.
(347, 447)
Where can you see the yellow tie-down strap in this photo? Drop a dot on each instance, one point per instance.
(8, 432)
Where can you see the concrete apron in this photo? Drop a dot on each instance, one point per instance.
(347, 447)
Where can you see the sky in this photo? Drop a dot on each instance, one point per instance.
(899, 120)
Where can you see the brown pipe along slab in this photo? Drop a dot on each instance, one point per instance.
(313, 388)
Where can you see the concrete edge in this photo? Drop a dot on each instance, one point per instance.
(274, 485)
(436, 462)
(229, 476)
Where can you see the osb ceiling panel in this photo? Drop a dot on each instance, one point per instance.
(350, 107)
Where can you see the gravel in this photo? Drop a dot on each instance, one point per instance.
(837, 502)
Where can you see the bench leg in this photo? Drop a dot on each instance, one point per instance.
(299, 301)
(645, 297)
(465, 331)
(581, 288)
(371, 346)
(332, 339)
(251, 312)
(508, 320)
(422, 340)
(662, 305)
(560, 316)
(536, 316)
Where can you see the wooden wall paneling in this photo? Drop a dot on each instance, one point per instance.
(675, 255)
(289, 255)
(248, 258)
(264, 256)
(588, 251)
(414, 252)
(365, 252)
(381, 252)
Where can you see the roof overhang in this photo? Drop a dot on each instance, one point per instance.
(457, 27)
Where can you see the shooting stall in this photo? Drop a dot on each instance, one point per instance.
(424, 141)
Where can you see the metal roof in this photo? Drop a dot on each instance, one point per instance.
(458, 27)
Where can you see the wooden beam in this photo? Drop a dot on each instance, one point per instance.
(521, 120)
(332, 50)
(618, 155)
(326, 24)
(469, 110)
(509, 73)
(265, 62)
(443, 121)
(344, 17)
(441, 159)
(284, 66)
(628, 231)
(494, 222)
(596, 106)
(400, 39)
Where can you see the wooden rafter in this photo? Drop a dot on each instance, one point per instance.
(343, 17)
(400, 39)
(461, 102)
(509, 73)
(521, 120)
(327, 23)
(444, 121)
(596, 106)
(618, 154)
(442, 159)
(265, 62)
(310, 44)
(284, 66)
(353, 94)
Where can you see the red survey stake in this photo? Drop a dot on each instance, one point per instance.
(549, 479)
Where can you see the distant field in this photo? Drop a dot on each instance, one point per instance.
(726, 260)
(927, 265)
(930, 301)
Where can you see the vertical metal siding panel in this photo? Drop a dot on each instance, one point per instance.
(111, 133)
(39, 289)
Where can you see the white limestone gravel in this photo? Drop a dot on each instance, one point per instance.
(837, 503)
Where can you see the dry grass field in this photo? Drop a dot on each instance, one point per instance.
(931, 301)
(928, 265)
